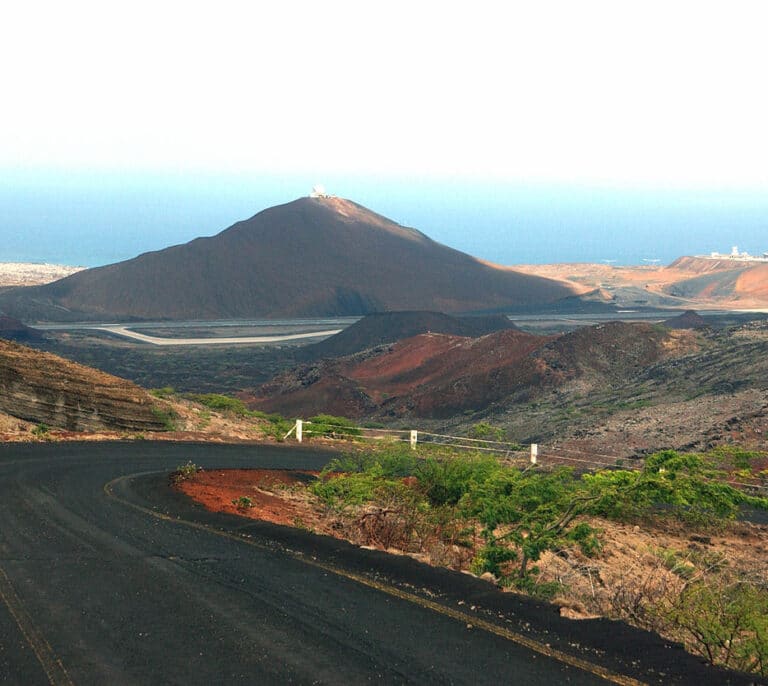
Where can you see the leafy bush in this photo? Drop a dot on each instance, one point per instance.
(167, 416)
(388, 461)
(340, 492)
(41, 430)
(445, 481)
(484, 431)
(243, 502)
(185, 471)
(530, 511)
(278, 428)
(671, 484)
(491, 558)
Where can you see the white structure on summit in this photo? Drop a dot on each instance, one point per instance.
(737, 256)
(318, 191)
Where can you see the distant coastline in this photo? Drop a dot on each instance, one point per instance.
(33, 273)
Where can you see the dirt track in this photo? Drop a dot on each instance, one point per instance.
(129, 583)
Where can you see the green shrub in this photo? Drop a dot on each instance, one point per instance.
(185, 471)
(41, 430)
(484, 431)
(340, 492)
(331, 427)
(388, 461)
(492, 558)
(164, 392)
(221, 403)
(167, 416)
(528, 512)
(445, 481)
(277, 426)
(586, 537)
(243, 502)
(675, 485)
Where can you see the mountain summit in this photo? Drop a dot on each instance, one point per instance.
(313, 257)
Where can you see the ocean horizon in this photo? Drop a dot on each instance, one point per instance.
(89, 219)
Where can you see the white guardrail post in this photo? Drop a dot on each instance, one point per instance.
(414, 438)
(299, 430)
(534, 452)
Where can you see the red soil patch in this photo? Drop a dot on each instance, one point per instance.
(269, 491)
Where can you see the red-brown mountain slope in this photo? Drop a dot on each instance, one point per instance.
(309, 257)
(441, 376)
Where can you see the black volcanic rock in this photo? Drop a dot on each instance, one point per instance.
(13, 330)
(389, 327)
(308, 258)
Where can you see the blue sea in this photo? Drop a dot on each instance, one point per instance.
(90, 219)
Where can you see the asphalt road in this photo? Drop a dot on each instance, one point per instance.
(108, 577)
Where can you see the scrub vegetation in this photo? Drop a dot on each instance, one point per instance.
(499, 520)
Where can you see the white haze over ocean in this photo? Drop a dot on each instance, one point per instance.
(515, 131)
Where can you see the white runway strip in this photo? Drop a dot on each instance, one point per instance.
(155, 340)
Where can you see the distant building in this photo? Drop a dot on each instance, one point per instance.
(318, 191)
(736, 255)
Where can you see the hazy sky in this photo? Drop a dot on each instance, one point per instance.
(599, 99)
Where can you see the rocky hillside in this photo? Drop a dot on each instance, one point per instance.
(440, 376)
(308, 258)
(603, 392)
(43, 388)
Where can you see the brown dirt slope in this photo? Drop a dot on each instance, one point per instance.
(43, 388)
(309, 257)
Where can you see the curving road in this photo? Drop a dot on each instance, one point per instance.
(107, 577)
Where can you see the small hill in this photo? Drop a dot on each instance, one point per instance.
(313, 257)
(725, 281)
(689, 319)
(43, 388)
(753, 283)
(388, 327)
(427, 375)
